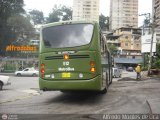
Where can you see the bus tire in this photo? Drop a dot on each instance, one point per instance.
(111, 81)
(104, 91)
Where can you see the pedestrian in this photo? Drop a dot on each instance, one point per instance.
(138, 71)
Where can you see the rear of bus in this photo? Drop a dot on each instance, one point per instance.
(70, 57)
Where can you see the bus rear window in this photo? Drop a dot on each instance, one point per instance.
(67, 35)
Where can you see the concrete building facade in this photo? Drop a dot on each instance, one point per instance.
(86, 10)
(123, 13)
(130, 42)
(156, 17)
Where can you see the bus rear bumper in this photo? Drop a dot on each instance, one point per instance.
(91, 84)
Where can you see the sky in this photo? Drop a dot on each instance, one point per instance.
(145, 6)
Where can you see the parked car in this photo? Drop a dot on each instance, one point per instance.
(130, 69)
(27, 72)
(4, 80)
(117, 72)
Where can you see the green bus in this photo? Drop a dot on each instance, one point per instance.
(74, 56)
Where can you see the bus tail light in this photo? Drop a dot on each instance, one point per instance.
(66, 56)
(93, 69)
(42, 65)
(92, 65)
(42, 70)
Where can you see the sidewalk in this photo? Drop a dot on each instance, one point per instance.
(7, 74)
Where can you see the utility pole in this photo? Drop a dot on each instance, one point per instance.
(152, 38)
(147, 19)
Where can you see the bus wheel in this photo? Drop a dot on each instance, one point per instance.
(104, 91)
(111, 81)
(106, 87)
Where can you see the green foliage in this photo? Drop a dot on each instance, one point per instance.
(9, 67)
(60, 13)
(7, 9)
(67, 13)
(37, 16)
(157, 61)
(104, 22)
(20, 23)
(113, 49)
(158, 50)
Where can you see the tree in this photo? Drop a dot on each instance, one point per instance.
(55, 15)
(146, 22)
(20, 25)
(113, 49)
(37, 16)
(67, 13)
(104, 22)
(21, 29)
(8, 8)
(60, 13)
(157, 59)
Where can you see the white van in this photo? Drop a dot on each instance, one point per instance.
(34, 42)
(117, 72)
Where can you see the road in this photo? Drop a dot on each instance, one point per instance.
(123, 97)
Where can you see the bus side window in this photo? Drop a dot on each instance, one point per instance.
(104, 47)
(102, 44)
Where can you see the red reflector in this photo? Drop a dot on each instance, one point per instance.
(66, 56)
(42, 70)
(92, 63)
(93, 69)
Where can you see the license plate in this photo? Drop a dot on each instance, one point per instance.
(66, 75)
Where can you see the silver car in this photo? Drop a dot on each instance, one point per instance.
(27, 72)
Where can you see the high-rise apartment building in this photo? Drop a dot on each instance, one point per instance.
(123, 13)
(86, 10)
(156, 15)
(156, 11)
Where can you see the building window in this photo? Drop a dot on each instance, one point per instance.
(126, 44)
(137, 45)
(126, 37)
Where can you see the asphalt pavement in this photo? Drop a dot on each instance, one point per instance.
(123, 97)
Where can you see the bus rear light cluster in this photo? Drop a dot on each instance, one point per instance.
(92, 65)
(42, 70)
(93, 70)
(66, 56)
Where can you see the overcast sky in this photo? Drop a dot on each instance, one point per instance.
(145, 6)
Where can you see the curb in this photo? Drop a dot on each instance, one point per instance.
(7, 74)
